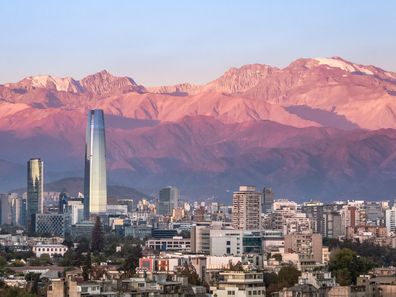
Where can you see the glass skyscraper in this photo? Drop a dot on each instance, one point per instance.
(95, 183)
(168, 200)
(35, 185)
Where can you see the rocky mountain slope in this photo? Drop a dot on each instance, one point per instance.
(318, 128)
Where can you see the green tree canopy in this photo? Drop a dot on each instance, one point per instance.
(346, 266)
(97, 237)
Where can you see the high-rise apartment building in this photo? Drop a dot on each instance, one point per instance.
(390, 220)
(95, 182)
(35, 191)
(246, 208)
(6, 209)
(314, 211)
(168, 200)
(268, 199)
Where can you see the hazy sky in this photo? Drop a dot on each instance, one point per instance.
(165, 42)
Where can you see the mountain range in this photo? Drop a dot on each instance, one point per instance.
(320, 128)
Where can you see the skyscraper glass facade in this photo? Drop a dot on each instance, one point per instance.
(35, 185)
(95, 183)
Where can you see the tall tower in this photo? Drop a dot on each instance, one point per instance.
(95, 182)
(168, 200)
(268, 199)
(246, 208)
(35, 185)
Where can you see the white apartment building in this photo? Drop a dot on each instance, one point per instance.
(226, 242)
(239, 284)
(390, 220)
(49, 249)
(177, 243)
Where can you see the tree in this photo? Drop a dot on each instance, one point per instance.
(97, 237)
(87, 267)
(132, 254)
(237, 267)
(189, 271)
(288, 276)
(346, 266)
(33, 280)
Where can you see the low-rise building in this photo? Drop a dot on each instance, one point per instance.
(49, 249)
(239, 284)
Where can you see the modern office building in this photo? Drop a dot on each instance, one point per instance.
(268, 199)
(95, 182)
(18, 209)
(63, 198)
(168, 200)
(246, 208)
(54, 224)
(6, 209)
(35, 190)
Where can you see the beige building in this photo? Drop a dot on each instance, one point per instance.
(246, 208)
(305, 244)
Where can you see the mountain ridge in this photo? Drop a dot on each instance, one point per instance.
(317, 128)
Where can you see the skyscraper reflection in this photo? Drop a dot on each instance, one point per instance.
(35, 184)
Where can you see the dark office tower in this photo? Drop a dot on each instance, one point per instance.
(314, 211)
(63, 198)
(95, 183)
(168, 200)
(35, 185)
(268, 199)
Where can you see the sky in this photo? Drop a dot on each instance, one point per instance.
(167, 42)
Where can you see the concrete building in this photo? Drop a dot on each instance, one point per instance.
(35, 190)
(314, 211)
(332, 224)
(176, 243)
(49, 249)
(239, 284)
(298, 223)
(305, 244)
(95, 181)
(6, 203)
(246, 208)
(75, 208)
(390, 220)
(200, 239)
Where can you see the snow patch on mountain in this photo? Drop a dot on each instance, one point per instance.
(343, 65)
(65, 84)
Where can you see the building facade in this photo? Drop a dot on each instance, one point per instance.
(35, 187)
(52, 223)
(246, 208)
(268, 199)
(95, 181)
(168, 200)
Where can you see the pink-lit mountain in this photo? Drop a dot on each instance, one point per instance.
(319, 128)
